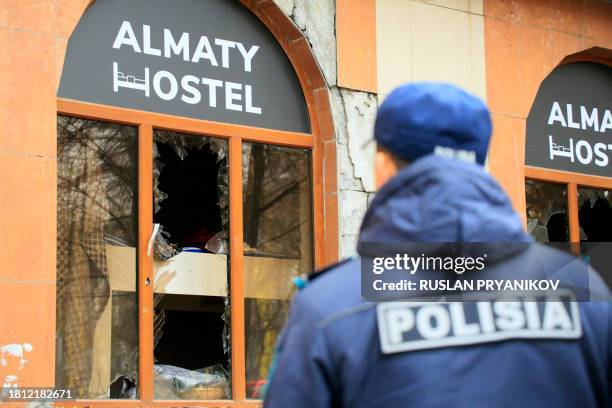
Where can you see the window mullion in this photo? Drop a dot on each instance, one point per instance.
(236, 270)
(145, 261)
(572, 209)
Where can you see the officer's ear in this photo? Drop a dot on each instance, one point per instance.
(386, 165)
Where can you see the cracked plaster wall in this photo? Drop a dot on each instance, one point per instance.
(354, 113)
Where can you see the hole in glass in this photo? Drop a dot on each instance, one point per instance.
(191, 287)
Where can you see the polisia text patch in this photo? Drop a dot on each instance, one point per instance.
(407, 326)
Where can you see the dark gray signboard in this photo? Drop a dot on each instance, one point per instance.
(204, 59)
(569, 126)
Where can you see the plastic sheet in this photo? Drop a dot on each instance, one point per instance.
(218, 244)
(179, 383)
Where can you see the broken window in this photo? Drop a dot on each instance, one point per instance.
(547, 219)
(97, 235)
(277, 195)
(191, 291)
(97, 296)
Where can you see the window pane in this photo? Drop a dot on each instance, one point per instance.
(595, 218)
(277, 246)
(595, 215)
(547, 219)
(191, 292)
(97, 235)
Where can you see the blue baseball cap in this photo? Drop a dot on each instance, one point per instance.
(422, 118)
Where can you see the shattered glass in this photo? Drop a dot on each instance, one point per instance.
(97, 235)
(181, 144)
(547, 219)
(191, 265)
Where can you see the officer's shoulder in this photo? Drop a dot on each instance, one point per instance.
(333, 274)
(327, 270)
(332, 288)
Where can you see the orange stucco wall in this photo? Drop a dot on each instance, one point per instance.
(356, 44)
(524, 41)
(33, 38)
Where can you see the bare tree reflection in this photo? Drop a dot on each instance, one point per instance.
(277, 224)
(547, 211)
(96, 181)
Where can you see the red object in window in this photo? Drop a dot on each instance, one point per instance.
(255, 388)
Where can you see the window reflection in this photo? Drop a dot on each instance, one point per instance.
(595, 219)
(277, 193)
(547, 219)
(595, 215)
(97, 315)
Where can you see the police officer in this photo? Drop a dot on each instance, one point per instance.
(432, 142)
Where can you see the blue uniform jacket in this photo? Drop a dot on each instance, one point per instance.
(329, 354)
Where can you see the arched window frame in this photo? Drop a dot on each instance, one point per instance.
(573, 180)
(320, 141)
